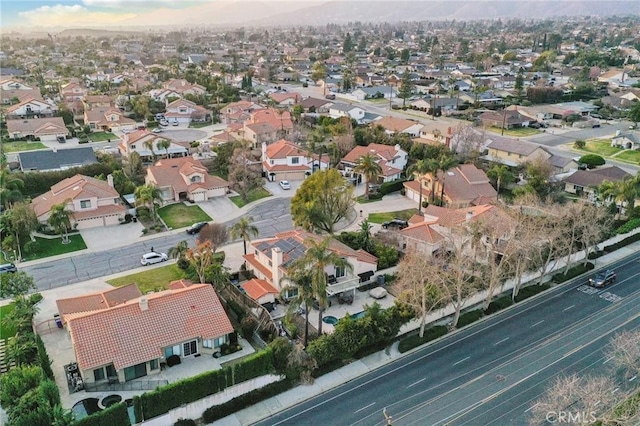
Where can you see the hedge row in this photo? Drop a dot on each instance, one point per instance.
(389, 187)
(115, 415)
(160, 401)
(469, 317)
(622, 243)
(531, 290)
(217, 412)
(572, 273)
(415, 340)
(629, 226)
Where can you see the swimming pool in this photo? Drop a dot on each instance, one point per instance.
(86, 407)
(358, 315)
(330, 319)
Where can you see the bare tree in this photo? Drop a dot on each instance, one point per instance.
(467, 142)
(244, 170)
(593, 227)
(216, 234)
(201, 258)
(624, 352)
(418, 290)
(302, 362)
(589, 398)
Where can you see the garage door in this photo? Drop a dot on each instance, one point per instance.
(291, 176)
(90, 223)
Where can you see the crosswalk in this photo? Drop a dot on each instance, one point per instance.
(606, 295)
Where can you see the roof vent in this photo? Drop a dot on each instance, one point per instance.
(144, 304)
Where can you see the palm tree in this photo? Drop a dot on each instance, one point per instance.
(625, 191)
(149, 145)
(244, 229)
(501, 174)
(147, 195)
(300, 280)
(445, 162)
(11, 188)
(179, 250)
(422, 167)
(164, 144)
(317, 259)
(368, 166)
(60, 220)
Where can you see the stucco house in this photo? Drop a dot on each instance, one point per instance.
(260, 291)
(285, 99)
(508, 118)
(392, 160)
(10, 84)
(184, 111)
(362, 93)
(284, 160)
(269, 259)
(73, 92)
(46, 129)
(56, 159)
(31, 108)
(395, 125)
(139, 141)
(338, 110)
(120, 335)
(514, 152)
(180, 179)
(183, 87)
(91, 201)
(627, 140)
(107, 119)
(586, 182)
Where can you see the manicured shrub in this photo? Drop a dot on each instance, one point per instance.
(469, 317)
(115, 415)
(389, 187)
(498, 304)
(531, 290)
(572, 273)
(623, 243)
(414, 340)
(247, 327)
(629, 226)
(185, 422)
(592, 160)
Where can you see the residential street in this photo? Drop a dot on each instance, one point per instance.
(491, 372)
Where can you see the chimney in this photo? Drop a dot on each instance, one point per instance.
(469, 216)
(110, 180)
(144, 304)
(276, 261)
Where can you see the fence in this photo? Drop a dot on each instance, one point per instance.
(134, 385)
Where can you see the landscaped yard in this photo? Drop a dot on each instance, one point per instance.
(385, 216)
(520, 131)
(181, 215)
(52, 247)
(155, 279)
(6, 332)
(102, 136)
(22, 146)
(600, 146)
(197, 125)
(630, 156)
(254, 195)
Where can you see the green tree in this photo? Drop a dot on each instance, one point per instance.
(62, 417)
(405, 55)
(299, 281)
(592, 160)
(11, 187)
(322, 201)
(149, 144)
(368, 167)
(347, 45)
(318, 71)
(244, 229)
(60, 220)
(148, 196)
(406, 87)
(501, 174)
(445, 162)
(364, 237)
(164, 144)
(179, 251)
(133, 168)
(421, 168)
(623, 193)
(22, 221)
(519, 85)
(634, 113)
(317, 259)
(17, 284)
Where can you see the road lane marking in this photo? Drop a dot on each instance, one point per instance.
(501, 341)
(364, 408)
(632, 379)
(570, 307)
(532, 407)
(538, 323)
(415, 383)
(615, 390)
(462, 360)
(607, 360)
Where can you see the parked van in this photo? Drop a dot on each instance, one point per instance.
(8, 268)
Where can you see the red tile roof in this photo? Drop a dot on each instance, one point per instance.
(175, 172)
(257, 288)
(385, 152)
(97, 301)
(127, 334)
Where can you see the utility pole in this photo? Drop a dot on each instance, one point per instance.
(504, 119)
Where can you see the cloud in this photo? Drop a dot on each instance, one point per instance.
(71, 15)
(134, 3)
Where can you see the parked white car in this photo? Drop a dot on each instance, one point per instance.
(153, 257)
(284, 184)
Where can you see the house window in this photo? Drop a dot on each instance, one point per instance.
(85, 204)
(220, 341)
(115, 201)
(207, 343)
(153, 364)
(195, 179)
(98, 374)
(255, 252)
(133, 147)
(340, 272)
(295, 160)
(270, 263)
(271, 161)
(111, 371)
(182, 110)
(290, 293)
(190, 348)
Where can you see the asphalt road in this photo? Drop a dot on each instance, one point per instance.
(492, 372)
(270, 217)
(548, 138)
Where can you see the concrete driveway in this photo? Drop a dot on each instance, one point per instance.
(108, 237)
(219, 208)
(276, 189)
(183, 134)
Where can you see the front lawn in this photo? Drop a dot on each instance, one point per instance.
(386, 216)
(601, 147)
(102, 136)
(5, 331)
(155, 279)
(629, 156)
(519, 131)
(254, 195)
(180, 215)
(51, 247)
(198, 125)
(22, 146)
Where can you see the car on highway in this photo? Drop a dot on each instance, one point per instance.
(196, 227)
(153, 257)
(8, 268)
(395, 223)
(603, 278)
(284, 184)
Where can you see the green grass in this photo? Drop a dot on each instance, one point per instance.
(254, 195)
(180, 215)
(629, 156)
(600, 146)
(196, 125)
(22, 146)
(52, 247)
(151, 280)
(378, 101)
(102, 136)
(385, 216)
(520, 131)
(6, 332)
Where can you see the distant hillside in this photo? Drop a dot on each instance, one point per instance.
(90, 32)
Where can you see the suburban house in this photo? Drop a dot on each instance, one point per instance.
(73, 92)
(10, 84)
(92, 202)
(183, 87)
(120, 335)
(285, 99)
(461, 186)
(392, 160)
(107, 119)
(184, 111)
(586, 182)
(561, 164)
(15, 96)
(31, 108)
(163, 94)
(46, 129)
(238, 112)
(179, 179)
(338, 110)
(514, 152)
(509, 118)
(56, 159)
(395, 125)
(627, 140)
(270, 257)
(362, 93)
(98, 101)
(315, 105)
(280, 120)
(259, 133)
(435, 133)
(260, 291)
(284, 160)
(141, 141)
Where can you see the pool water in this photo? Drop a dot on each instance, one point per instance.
(358, 315)
(86, 407)
(329, 319)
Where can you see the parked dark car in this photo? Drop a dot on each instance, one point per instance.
(196, 227)
(603, 278)
(395, 223)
